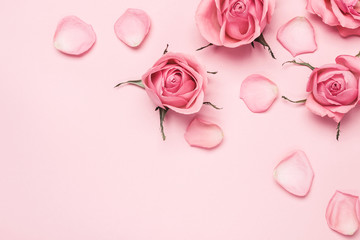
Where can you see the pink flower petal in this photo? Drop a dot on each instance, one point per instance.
(346, 32)
(203, 134)
(297, 36)
(258, 93)
(342, 213)
(73, 36)
(132, 27)
(207, 21)
(295, 174)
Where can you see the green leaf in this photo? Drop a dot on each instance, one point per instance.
(138, 83)
(162, 113)
(263, 42)
(300, 63)
(338, 131)
(214, 106)
(210, 44)
(212, 72)
(292, 101)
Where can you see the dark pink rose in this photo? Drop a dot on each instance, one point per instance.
(233, 23)
(176, 81)
(334, 88)
(345, 14)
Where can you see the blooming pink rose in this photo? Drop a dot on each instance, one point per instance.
(334, 88)
(176, 81)
(345, 14)
(233, 23)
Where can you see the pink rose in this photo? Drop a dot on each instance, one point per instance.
(233, 23)
(176, 81)
(334, 88)
(345, 14)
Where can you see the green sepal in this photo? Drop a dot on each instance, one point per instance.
(263, 42)
(301, 64)
(138, 83)
(214, 106)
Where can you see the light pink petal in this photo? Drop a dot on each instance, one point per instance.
(132, 27)
(191, 109)
(73, 36)
(335, 112)
(207, 21)
(297, 36)
(295, 174)
(351, 62)
(203, 134)
(258, 93)
(322, 8)
(342, 213)
(346, 32)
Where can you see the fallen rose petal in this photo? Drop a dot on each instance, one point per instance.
(297, 36)
(343, 214)
(132, 27)
(295, 174)
(258, 93)
(203, 134)
(73, 36)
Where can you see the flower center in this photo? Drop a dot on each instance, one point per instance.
(238, 8)
(173, 81)
(334, 87)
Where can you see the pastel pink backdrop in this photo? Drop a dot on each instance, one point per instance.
(82, 160)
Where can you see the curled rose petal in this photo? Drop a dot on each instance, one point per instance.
(203, 134)
(258, 93)
(297, 36)
(73, 36)
(295, 174)
(132, 27)
(343, 214)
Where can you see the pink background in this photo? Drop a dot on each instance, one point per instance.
(82, 160)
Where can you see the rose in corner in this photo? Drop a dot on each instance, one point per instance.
(233, 23)
(334, 88)
(177, 82)
(345, 14)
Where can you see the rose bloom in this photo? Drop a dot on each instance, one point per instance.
(334, 88)
(233, 23)
(345, 14)
(176, 81)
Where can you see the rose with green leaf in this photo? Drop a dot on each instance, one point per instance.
(175, 82)
(234, 23)
(333, 88)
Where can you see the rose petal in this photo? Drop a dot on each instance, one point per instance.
(295, 174)
(207, 21)
(346, 32)
(258, 93)
(334, 112)
(73, 36)
(297, 36)
(132, 27)
(322, 9)
(203, 134)
(342, 213)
